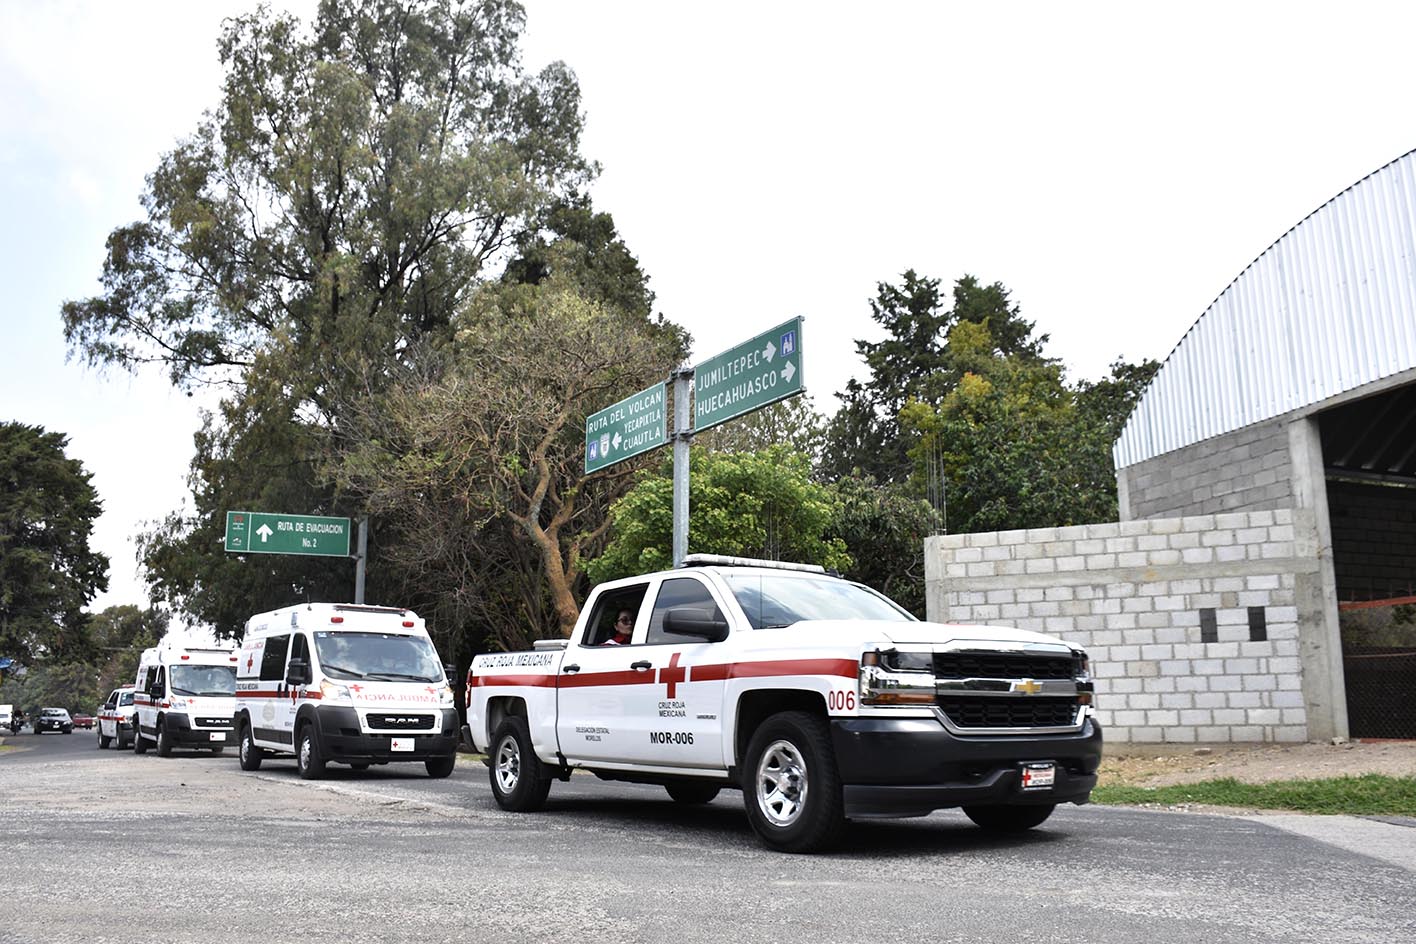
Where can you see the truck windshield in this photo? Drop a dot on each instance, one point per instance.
(386, 656)
(771, 600)
(210, 681)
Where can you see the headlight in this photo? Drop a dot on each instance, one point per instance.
(334, 694)
(892, 677)
(445, 696)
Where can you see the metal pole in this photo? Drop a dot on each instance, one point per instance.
(361, 559)
(683, 436)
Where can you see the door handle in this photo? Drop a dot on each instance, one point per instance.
(643, 665)
(570, 668)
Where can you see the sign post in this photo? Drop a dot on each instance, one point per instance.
(258, 532)
(633, 425)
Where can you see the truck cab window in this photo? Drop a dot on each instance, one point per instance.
(601, 628)
(678, 592)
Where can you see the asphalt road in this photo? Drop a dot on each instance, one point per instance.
(111, 847)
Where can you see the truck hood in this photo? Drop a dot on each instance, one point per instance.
(897, 633)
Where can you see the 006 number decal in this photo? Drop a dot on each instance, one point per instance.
(840, 701)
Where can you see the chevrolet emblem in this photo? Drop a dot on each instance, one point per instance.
(1027, 687)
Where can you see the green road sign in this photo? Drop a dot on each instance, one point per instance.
(750, 376)
(635, 424)
(258, 532)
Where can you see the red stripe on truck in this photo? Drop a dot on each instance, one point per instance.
(715, 672)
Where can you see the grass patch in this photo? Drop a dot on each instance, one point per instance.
(1370, 794)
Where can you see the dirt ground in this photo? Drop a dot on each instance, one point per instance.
(1163, 765)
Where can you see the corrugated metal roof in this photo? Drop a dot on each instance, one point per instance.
(1328, 307)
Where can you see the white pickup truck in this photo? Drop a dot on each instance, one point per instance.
(819, 698)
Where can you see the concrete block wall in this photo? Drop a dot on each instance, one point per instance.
(1247, 470)
(1373, 539)
(1132, 593)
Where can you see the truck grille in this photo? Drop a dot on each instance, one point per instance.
(401, 722)
(1004, 665)
(1023, 712)
(213, 722)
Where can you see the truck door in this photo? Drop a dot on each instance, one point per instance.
(678, 720)
(597, 682)
(274, 721)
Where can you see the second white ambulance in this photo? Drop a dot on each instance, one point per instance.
(183, 697)
(343, 683)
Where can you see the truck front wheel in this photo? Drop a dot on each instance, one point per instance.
(307, 754)
(519, 780)
(249, 754)
(791, 786)
(1009, 819)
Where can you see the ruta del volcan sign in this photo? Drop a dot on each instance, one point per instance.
(635, 424)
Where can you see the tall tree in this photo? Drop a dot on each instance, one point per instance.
(332, 214)
(48, 572)
(914, 363)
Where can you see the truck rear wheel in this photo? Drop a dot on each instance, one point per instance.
(249, 754)
(519, 780)
(1009, 819)
(103, 740)
(791, 786)
(140, 744)
(692, 792)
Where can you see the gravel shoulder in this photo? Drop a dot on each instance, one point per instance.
(1170, 764)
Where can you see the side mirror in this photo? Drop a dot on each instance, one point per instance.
(450, 671)
(297, 672)
(158, 690)
(693, 621)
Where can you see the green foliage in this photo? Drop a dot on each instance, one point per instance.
(883, 528)
(760, 504)
(115, 640)
(1367, 795)
(914, 362)
(48, 573)
(793, 422)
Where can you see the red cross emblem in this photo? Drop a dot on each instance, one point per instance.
(250, 660)
(356, 688)
(671, 674)
(430, 690)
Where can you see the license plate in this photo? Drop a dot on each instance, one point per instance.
(217, 735)
(401, 744)
(1038, 776)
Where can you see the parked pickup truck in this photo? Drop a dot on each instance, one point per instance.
(819, 698)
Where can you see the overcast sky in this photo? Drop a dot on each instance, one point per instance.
(1115, 165)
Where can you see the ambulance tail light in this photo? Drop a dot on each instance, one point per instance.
(336, 619)
(890, 678)
(408, 624)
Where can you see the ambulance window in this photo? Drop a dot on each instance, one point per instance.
(112, 701)
(301, 648)
(125, 699)
(151, 677)
(273, 662)
(677, 592)
(161, 677)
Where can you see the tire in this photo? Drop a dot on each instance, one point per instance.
(249, 754)
(440, 767)
(164, 741)
(791, 786)
(140, 744)
(695, 793)
(1009, 819)
(519, 779)
(218, 750)
(124, 745)
(359, 765)
(307, 754)
(103, 741)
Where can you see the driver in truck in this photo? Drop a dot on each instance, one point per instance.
(624, 629)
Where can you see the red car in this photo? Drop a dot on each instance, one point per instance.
(83, 721)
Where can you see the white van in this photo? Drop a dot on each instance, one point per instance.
(343, 683)
(183, 695)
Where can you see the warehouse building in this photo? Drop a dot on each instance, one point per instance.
(1267, 491)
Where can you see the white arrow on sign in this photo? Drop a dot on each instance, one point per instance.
(265, 532)
(788, 372)
(616, 440)
(770, 351)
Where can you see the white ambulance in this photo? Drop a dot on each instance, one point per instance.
(343, 683)
(183, 695)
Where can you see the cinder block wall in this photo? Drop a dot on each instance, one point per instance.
(1247, 470)
(1373, 540)
(1168, 609)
